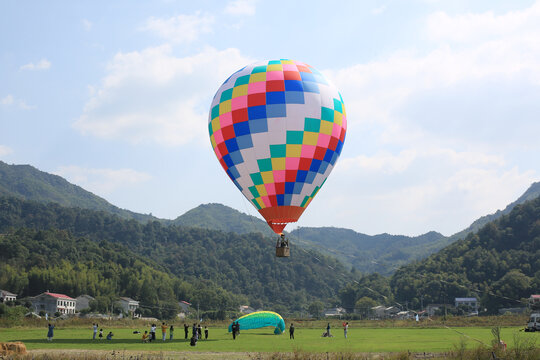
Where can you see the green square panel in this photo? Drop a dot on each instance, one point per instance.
(338, 106)
(226, 95)
(242, 80)
(327, 114)
(264, 165)
(256, 178)
(259, 69)
(295, 137)
(254, 191)
(312, 125)
(278, 151)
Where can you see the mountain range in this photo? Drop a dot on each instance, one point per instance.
(382, 253)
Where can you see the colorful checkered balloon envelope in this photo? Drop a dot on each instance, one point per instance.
(277, 128)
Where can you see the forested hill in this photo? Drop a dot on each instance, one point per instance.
(243, 264)
(29, 183)
(34, 261)
(224, 218)
(532, 192)
(502, 258)
(381, 253)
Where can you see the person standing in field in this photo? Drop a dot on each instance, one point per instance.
(171, 331)
(100, 334)
(50, 333)
(233, 328)
(345, 328)
(328, 330)
(199, 332)
(163, 331)
(194, 331)
(291, 331)
(95, 327)
(205, 332)
(186, 331)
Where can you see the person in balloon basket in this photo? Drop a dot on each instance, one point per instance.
(282, 242)
(291, 331)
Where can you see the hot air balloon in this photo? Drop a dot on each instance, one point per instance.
(261, 319)
(277, 128)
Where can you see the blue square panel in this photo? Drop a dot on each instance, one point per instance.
(293, 85)
(258, 126)
(241, 128)
(256, 112)
(244, 142)
(231, 145)
(311, 87)
(275, 97)
(310, 177)
(276, 110)
(298, 188)
(289, 188)
(236, 157)
(294, 97)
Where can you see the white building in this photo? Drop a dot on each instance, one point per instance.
(128, 305)
(6, 296)
(52, 303)
(470, 303)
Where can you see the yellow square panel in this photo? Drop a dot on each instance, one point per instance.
(225, 107)
(240, 90)
(310, 138)
(215, 125)
(257, 77)
(274, 67)
(213, 141)
(261, 189)
(278, 164)
(260, 202)
(294, 150)
(267, 176)
(326, 127)
(338, 118)
(287, 62)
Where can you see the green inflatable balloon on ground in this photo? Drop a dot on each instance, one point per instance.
(261, 319)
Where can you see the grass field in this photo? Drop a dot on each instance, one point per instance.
(363, 340)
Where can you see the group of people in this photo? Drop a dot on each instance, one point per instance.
(100, 336)
(149, 337)
(328, 334)
(196, 333)
(235, 328)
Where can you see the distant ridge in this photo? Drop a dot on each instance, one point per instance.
(29, 183)
(530, 194)
(220, 217)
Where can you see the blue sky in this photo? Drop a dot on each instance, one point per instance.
(442, 101)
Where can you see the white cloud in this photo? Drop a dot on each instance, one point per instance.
(473, 27)
(5, 150)
(438, 134)
(102, 181)
(9, 100)
(241, 7)
(43, 64)
(378, 10)
(154, 97)
(180, 29)
(87, 24)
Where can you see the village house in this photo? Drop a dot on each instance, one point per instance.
(83, 302)
(534, 302)
(246, 309)
(52, 303)
(6, 296)
(128, 305)
(470, 303)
